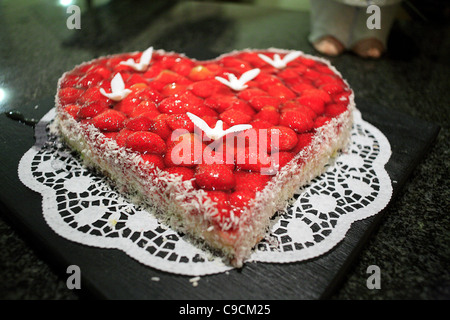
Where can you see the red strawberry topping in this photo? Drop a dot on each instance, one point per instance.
(240, 199)
(281, 139)
(214, 177)
(145, 142)
(296, 120)
(92, 109)
(287, 105)
(110, 120)
(69, 95)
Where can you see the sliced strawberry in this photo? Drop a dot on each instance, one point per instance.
(179, 104)
(265, 81)
(69, 95)
(239, 200)
(294, 105)
(250, 181)
(320, 121)
(326, 79)
(168, 76)
(145, 142)
(220, 152)
(204, 88)
(249, 93)
(253, 59)
(69, 80)
(323, 68)
(242, 106)
(89, 80)
(299, 68)
(153, 70)
(288, 73)
(168, 61)
(234, 117)
(109, 120)
(112, 62)
(152, 161)
(221, 102)
(258, 102)
(342, 97)
(236, 63)
(301, 87)
(110, 135)
(210, 120)
(150, 94)
(261, 124)
(148, 107)
(140, 92)
(269, 114)
(280, 159)
(121, 137)
(332, 88)
(186, 136)
(92, 109)
(136, 79)
(183, 66)
(185, 150)
(104, 72)
(221, 202)
(251, 160)
(202, 111)
(173, 89)
(123, 69)
(304, 139)
(187, 174)
(160, 127)
(72, 109)
(214, 177)
(318, 93)
(93, 94)
(311, 74)
(172, 105)
(307, 61)
(139, 123)
(180, 121)
(200, 72)
(281, 139)
(314, 103)
(296, 120)
(334, 109)
(281, 92)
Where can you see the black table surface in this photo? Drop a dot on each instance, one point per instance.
(407, 87)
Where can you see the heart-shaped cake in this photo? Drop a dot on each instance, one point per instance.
(216, 147)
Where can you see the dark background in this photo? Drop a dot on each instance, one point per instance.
(410, 243)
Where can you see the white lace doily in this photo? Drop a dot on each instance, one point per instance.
(81, 206)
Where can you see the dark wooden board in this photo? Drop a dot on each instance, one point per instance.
(111, 274)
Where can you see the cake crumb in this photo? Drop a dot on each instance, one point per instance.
(194, 281)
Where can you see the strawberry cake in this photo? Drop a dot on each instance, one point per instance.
(214, 148)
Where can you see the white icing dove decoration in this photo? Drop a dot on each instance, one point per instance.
(239, 84)
(218, 131)
(144, 62)
(279, 63)
(118, 91)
